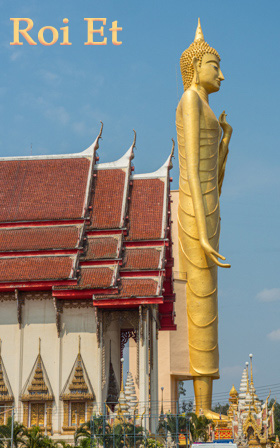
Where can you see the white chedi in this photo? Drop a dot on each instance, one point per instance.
(130, 394)
(122, 406)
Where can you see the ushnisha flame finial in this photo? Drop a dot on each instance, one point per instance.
(199, 34)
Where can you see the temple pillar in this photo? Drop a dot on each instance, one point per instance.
(154, 371)
(100, 349)
(144, 364)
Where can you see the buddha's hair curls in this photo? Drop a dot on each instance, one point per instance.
(197, 49)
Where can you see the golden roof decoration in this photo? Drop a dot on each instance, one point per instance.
(78, 386)
(37, 386)
(6, 394)
(233, 391)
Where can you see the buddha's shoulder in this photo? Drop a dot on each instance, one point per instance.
(190, 98)
(191, 95)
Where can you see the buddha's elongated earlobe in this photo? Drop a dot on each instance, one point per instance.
(195, 63)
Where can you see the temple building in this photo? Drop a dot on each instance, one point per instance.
(250, 422)
(85, 264)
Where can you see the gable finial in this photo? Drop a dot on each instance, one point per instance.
(79, 352)
(134, 141)
(100, 132)
(40, 346)
(0, 346)
(173, 146)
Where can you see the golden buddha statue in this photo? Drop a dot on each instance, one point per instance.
(203, 148)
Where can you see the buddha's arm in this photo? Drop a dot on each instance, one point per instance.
(191, 121)
(223, 148)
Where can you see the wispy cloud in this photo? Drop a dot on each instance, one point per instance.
(231, 371)
(274, 335)
(58, 114)
(269, 295)
(50, 77)
(15, 55)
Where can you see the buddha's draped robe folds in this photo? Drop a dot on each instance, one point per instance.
(199, 270)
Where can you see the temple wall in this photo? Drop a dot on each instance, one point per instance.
(20, 347)
(10, 347)
(173, 359)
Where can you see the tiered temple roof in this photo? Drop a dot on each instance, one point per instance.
(87, 231)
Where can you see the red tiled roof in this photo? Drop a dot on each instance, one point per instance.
(96, 277)
(142, 258)
(47, 189)
(102, 247)
(35, 268)
(38, 238)
(137, 287)
(146, 209)
(107, 199)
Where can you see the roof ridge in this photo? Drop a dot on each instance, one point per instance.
(88, 152)
(122, 162)
(160, 172)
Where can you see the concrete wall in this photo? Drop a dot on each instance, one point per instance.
(173, 363)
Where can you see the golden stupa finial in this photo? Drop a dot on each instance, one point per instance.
(233, 392)
(199, 34)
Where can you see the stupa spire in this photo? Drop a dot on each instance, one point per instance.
(252, 387)
(199, 37)
(247, 377)
(122, 406)
(130, 393)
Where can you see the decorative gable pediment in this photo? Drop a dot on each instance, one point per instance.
(6, 394)
(78, 385)
(37, 386)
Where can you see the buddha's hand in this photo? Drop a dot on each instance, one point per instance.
(225, 126)
(214, 255)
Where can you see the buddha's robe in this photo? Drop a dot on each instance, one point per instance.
(199, 270)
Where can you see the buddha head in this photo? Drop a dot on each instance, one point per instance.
(201, 63)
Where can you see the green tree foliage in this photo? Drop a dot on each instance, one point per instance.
(186, 406)
(221, 408)
(174, 424)
(123, 434)
(276, 416)
(5, 433)
(199, 427)
(34, 438)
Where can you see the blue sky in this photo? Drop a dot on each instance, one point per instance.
(54, 98)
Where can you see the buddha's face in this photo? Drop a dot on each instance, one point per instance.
(209, 73)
